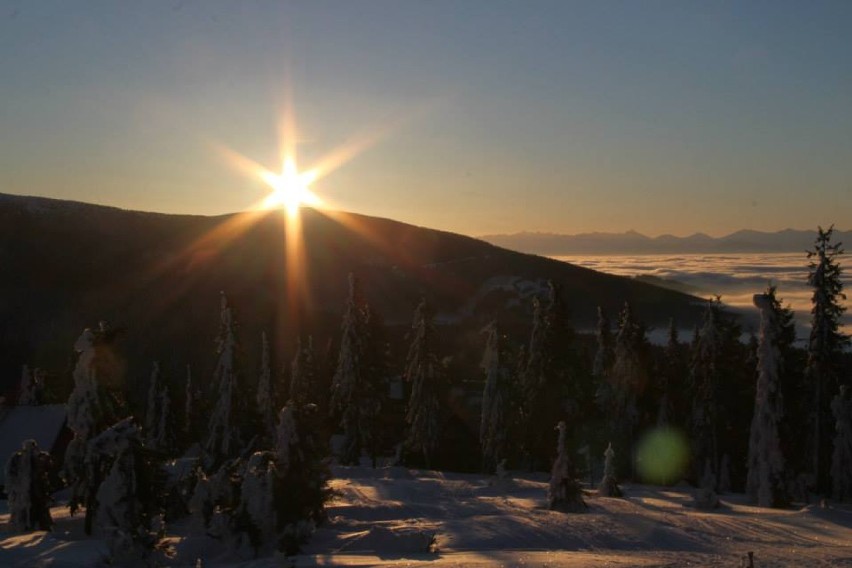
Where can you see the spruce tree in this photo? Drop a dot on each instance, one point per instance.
(608, 486)
(668, 411)
(152, 411)
(825, 346)
(225, 436)
(496, 396)
(765, 483)
(265, 398)
(549, 395)
(628, 376)
(704, 378)
(841, 463)
(424, 373)
(564, 492)
(91, 409)
(28, 488)
(604, 354)
(32, 384)
(303, 374)
(127, 504)
(356, 387)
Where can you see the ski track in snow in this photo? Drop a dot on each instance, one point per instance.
(384, 517)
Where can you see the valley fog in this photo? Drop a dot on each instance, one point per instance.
(735, 277)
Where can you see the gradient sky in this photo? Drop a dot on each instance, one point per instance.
(663, 117)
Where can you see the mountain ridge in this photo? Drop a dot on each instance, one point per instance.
(68, 265)
(632, 242)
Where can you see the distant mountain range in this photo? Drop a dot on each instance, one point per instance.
(631, 242)
(66, 265)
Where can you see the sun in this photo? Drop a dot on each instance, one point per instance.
(290, 189)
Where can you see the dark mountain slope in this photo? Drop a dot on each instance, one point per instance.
(66, 265)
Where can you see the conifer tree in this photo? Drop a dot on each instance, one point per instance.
(564, 492)
(356, 387)
(303, 374)
(91, 409)
(32, 384)
(609, 484)
(604, 354)
(265, 396)
(670, 379)
(706, 357)
(628, 375)
(127, 505)
(152, 412)
(841, 463)
(225, 428)
(825, 345)
(27, 486)
(424, 373)
(548, 392)
(766, 483)
(495, 419)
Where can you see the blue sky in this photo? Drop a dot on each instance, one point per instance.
(496, 116)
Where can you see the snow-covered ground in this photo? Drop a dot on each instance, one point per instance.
(387, 517)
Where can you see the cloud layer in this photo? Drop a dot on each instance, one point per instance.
(735, 277)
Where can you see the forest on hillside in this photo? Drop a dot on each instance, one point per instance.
(245, 453)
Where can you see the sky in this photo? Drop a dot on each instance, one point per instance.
(474, 117)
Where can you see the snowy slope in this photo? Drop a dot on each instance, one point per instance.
(386, 517)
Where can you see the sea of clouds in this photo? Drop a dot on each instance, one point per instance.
(734, 277)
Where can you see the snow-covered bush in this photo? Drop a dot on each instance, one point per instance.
(705, 496)
(608, 486)
(28, 488)
(564, 492)
(31, 388)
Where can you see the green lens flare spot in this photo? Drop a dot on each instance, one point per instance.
(662, 456)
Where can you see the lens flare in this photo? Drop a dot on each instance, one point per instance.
(662, 456)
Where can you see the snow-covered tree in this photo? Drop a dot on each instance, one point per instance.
(495, 419)
(301, 466)
(628, 376)
(564, 492)
(609, 484)
(303, 374)
(766, 483)
(27, 485)
(32, 386)
(356, 386)
(548, 393)
(90, 410)
(704, 378)
(705, 496)
(424, 373)
(825, 345)
(255, 513)
(670, 379)
(163, 439)
(841, 463)
(126, 506)
(604, 354)
(225, 428)
(152, 409)
(265, 396)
